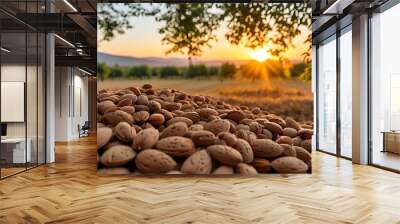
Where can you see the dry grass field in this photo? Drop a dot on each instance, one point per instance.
(285, 97)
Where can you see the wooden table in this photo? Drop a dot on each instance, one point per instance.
(391, 141)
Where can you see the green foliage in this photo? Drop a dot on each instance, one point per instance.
(259, 24)
(195, 71)
(188, 27)
(213, 71)
(227, 71)
(298, 69)
(169, 72)
(252, 71)
(116, 72)
(103, 71)
(141, 71)
(113, 19)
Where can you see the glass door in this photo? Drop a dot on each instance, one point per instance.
(14, 153)
(385, 89)
(346, 95)
(326, 104)
(22, 78)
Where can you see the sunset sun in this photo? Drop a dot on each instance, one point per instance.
(260, 54)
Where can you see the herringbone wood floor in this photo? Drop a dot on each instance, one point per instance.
(69, 191)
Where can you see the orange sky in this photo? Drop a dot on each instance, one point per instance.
(144, 41)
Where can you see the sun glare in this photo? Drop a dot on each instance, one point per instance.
(260, 54)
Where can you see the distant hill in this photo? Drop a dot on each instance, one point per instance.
(112, 60)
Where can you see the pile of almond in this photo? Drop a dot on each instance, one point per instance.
(166, 131)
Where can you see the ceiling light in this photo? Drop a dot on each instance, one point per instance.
(64, 40)
(5, 50)
(70, 5)
(337, 7)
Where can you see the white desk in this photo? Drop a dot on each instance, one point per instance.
(18, 148)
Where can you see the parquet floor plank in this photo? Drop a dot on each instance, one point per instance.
(70, 191)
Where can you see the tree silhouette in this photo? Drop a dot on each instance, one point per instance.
(188, 27)
(259, 24)
(113, 19)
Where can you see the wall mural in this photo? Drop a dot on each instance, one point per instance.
(204, 89)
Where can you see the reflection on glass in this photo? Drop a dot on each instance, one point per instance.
(41, 99)
(31, 97)
(385, 84)
(327, 96)
(346, 94)
(14, 146)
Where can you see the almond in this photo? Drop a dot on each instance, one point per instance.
(114, 118)
(279, 121)
(117, 155)
(297, 141)
(288, 164)
(156, 119)
(265, 148)
(285, 140)
(198, 163)
(147, 86)
(235, 115)
(203, 138)
(291, 123)
(302, 154)
(306, 144)
(305, 133)
(194, 116)
(176, 146)
(105, 105)
(229, 138)
(217, 126)
(142, 100)
(273, 127)
(223, 170)
(225, 154)
(245, 169)
(245, 150)
(141, 116)
(154, 106)
(126, 101)
(104, 135)
(128, 109)
(196, 127)
(172, 106)
(180, 119)
(291, 132)
(262, 165)
(154, 161)
(125, 132)
(255, 127)
(146, 139)
(175, 129)
(288, 150)
(206, 112)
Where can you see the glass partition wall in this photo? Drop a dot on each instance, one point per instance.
(22, 76)
(334, 94)
(327, 95)
(345, 90)
(385, 89)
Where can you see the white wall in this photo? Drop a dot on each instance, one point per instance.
(16, 73)
(70, 83)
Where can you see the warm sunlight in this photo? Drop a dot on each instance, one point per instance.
(260, 54)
